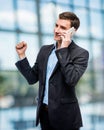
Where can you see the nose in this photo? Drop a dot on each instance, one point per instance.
(57, 30)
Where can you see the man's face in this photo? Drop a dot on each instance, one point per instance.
(61, 27)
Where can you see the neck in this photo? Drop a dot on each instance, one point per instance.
(58, 45)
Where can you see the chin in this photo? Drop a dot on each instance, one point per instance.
(57, 38)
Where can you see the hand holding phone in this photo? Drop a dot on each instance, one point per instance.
(71, 31)
(66, 38)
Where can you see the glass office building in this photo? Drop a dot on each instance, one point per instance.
(33, 21)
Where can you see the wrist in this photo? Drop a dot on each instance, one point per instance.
(22, 56)
(65, 44)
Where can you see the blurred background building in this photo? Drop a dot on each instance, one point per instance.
(33, 21)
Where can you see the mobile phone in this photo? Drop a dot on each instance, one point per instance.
(71, 31)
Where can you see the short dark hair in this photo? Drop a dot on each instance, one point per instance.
(75, 22)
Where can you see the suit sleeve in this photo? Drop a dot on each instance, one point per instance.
(72, 69)
(30, 73)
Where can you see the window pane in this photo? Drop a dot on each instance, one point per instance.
(27, 15)
(98, 65)
(7, 50)
(57, 1)
(81, 3)
(47, 17)
(6, 14)
(83, 29)
(64, 1)
(95, 4)
(96, 24)
(98, 55)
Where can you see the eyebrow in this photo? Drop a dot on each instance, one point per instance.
(63, 27)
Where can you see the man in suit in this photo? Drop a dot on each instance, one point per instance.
(58, 68)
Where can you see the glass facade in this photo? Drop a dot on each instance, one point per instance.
(33, 21)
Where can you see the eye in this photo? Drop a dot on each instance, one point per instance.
(63, 28)
(56, 25)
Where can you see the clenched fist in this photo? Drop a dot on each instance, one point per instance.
(21, 48)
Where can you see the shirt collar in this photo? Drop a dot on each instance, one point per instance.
(55, 45)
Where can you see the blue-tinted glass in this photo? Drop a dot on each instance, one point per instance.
(98, 57)
(57, 1)
(27, 18)
(79, 3)
(83, 29)
(7, 20)
(64, 1)
(32, 46)
(46, 1)
(12, 116)
(96, 24)
(102, 4)
(7, 50)
(95, 4)
(98, 64)
(47, 16)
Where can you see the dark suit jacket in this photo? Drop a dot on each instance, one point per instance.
(63, 107)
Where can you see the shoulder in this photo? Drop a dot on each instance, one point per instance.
(78, 49)
(44, 50)
(45, 47)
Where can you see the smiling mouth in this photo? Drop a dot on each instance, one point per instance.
(58, 35)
